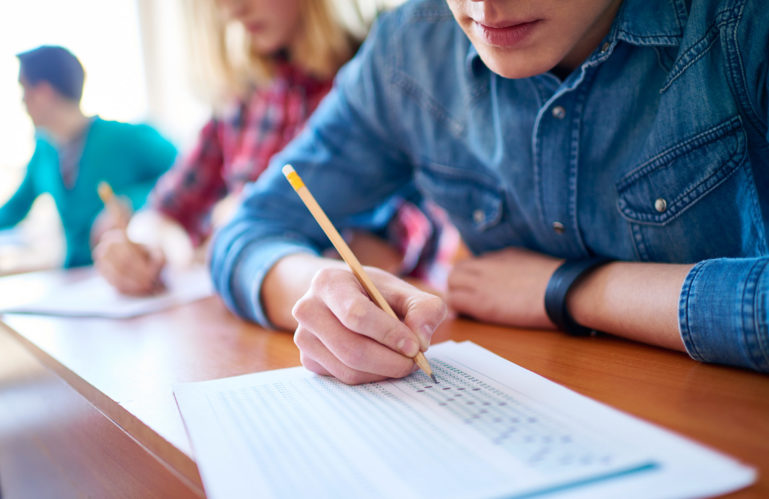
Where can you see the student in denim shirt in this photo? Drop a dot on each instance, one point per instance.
(550, 131)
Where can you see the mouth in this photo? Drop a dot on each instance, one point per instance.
(254, 26)
(504, 35)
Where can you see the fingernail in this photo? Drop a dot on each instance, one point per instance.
(408, 347)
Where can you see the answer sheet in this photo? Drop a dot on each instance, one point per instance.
(489, 428)
(92, 296)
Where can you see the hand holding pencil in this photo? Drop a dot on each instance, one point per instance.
(355, 329)
(132, 268)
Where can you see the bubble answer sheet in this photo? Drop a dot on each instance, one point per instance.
(489, 428)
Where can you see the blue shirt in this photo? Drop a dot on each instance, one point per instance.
(130, 157)
(653, 150)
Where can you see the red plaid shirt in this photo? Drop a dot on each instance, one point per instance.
(236, 148)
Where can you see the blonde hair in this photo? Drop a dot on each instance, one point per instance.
(224, 65)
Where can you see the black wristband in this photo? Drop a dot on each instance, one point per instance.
(558, 287)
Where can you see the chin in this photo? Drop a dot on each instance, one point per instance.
(266, 47)
(514, 66)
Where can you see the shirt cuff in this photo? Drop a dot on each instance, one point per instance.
(255, 261)
(722, 312)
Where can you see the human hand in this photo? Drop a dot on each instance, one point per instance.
(504, 287)
(133, 269)
(342, 333)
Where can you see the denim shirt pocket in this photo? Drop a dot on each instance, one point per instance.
(473, 200)
(664, 197)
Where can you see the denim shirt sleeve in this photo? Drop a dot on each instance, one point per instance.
(724, 303)
(347, 158)
(724, 312)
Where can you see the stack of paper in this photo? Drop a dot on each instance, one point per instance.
(489, 428)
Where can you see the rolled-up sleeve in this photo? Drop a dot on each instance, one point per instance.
(724, 311)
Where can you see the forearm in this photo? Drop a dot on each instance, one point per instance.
(634, 300)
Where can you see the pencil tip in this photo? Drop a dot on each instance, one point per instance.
(435, 380)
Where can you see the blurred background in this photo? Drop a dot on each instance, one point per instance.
(137, 70)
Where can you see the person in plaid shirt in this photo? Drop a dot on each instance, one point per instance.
(268, 96)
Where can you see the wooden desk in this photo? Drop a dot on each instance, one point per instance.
(102, 421)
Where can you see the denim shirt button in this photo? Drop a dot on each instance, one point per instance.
(605, 47)
(479, 216)
(660, 205)
(558, 227)
(559, 112)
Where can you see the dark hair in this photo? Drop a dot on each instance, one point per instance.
(55, 65)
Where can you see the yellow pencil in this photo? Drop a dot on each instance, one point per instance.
(107, 196)
(346, 253)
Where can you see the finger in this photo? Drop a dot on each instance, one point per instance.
(463, 275)
(135, 276)
(120, 282)
(127, 268)
(422, 312)
(313, 366)
(106, 264)
(347, 301)
(315, 350)
(138, 265)
(461, 300)
(115, 258)
(356, 352)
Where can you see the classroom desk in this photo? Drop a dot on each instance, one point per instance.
(87, 408)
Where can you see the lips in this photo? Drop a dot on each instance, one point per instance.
(504, 35)
(254, 27)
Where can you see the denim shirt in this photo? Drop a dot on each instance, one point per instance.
(655, 149)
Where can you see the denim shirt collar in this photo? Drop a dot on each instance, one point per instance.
(638, 22)
(650, 22)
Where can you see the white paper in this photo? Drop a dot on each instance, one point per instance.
(488, 429)
(92, 296)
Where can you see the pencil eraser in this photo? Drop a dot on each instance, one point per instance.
(293, 178)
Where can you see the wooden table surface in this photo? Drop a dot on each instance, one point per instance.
(112, 381)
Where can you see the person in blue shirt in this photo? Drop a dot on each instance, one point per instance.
(606, 162)
(74, 153)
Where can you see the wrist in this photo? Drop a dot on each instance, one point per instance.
(588, 298)
(562, 284)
